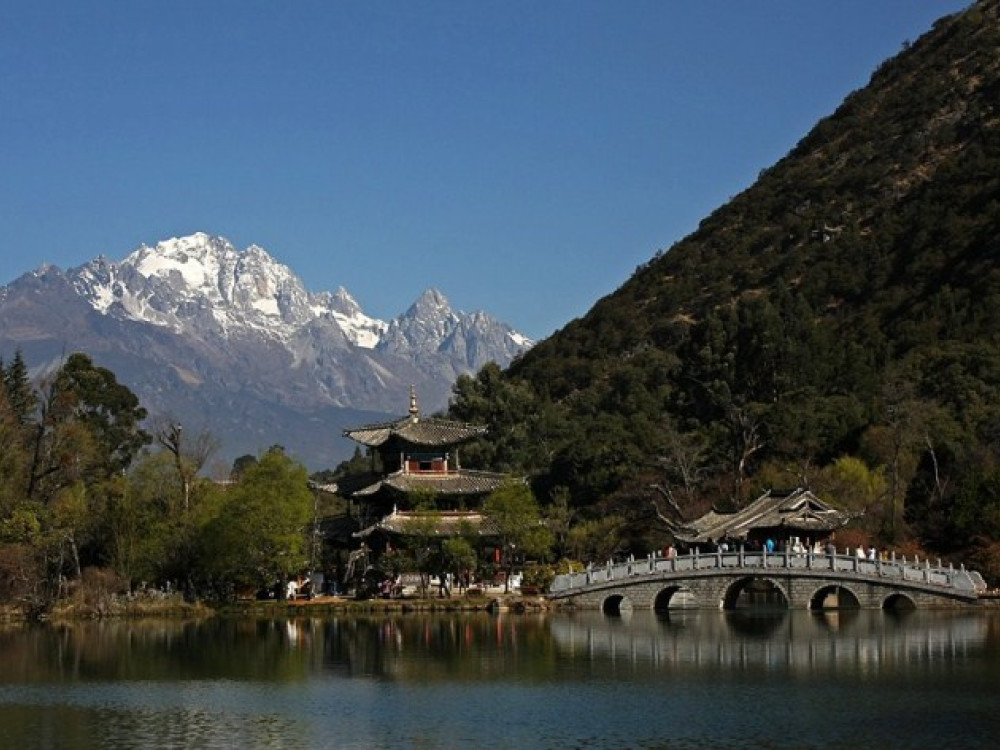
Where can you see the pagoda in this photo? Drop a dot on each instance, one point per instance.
(418, 455)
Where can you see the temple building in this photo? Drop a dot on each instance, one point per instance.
(782, 516)
(418, 456)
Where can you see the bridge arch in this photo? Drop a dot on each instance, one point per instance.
(834, 596)
(755, 592)
(898, 602)
(616, 605)
(674, 597)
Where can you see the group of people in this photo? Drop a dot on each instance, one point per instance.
(794, 544)
(299, 588)
(391, 588)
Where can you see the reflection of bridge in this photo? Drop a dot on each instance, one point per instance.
(731, 580)
(798, 640)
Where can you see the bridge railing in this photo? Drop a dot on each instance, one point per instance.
(901, 569)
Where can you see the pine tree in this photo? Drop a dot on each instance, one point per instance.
(20, 395)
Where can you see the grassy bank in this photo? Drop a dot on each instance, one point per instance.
(335, 604)
(174, 606)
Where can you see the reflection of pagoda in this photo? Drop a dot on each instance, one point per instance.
(419, 456)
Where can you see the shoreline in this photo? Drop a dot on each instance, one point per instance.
(125, 608)
(337, 604)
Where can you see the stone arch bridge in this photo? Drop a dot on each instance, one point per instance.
(731, 580)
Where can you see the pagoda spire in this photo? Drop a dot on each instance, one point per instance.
(414, 409)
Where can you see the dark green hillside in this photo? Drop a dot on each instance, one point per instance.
(846, 306)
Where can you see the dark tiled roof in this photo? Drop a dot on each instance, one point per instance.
(435, 523)
(461, 482)
(799, 510)
(416, 430)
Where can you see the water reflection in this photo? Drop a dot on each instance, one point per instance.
(474, 646)
(686, 679)
(401, 646)
(793, 639)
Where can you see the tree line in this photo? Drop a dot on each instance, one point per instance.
(84, 487)
(92, 490)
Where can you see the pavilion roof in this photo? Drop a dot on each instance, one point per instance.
(460, 482)
(795, 510)
(416, 430)
(432, 523)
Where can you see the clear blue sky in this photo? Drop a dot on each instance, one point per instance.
(522, 157)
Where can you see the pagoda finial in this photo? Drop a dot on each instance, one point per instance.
(414, 409)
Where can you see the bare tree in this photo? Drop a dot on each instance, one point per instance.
(190, 452)
(747, 441)
(682, 466)
(940, 485)
(904, 422)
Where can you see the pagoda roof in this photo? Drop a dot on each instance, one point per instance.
(434, 523)
(415, 430)
(795, 510)
(460, 482)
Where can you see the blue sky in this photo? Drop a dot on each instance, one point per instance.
(522, 157)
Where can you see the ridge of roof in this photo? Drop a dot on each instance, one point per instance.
(439, 523)
(780, 506)
(416, 429)
(460, 482)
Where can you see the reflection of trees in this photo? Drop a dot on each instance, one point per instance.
(153, 650)
(472, 647)
(429, 647)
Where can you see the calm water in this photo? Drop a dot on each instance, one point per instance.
(698, 680)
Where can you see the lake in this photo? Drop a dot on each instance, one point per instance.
(688, 680)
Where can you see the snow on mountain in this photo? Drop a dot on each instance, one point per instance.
(422, 327)
(201, 283)
(198, 328)
(431, 326)
(359, 328)
(194, 282)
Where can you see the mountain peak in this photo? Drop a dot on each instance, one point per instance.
(431, 300)
(344, 301)
(197, 327)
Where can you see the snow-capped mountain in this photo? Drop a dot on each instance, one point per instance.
(195, 326)
(201, 284)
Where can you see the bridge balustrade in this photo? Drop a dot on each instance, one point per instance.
(899, 569)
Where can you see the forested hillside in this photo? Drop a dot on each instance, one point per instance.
(834, 326)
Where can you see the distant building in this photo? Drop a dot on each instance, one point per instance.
(418, 455)
(781, 516)
(416, 458)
